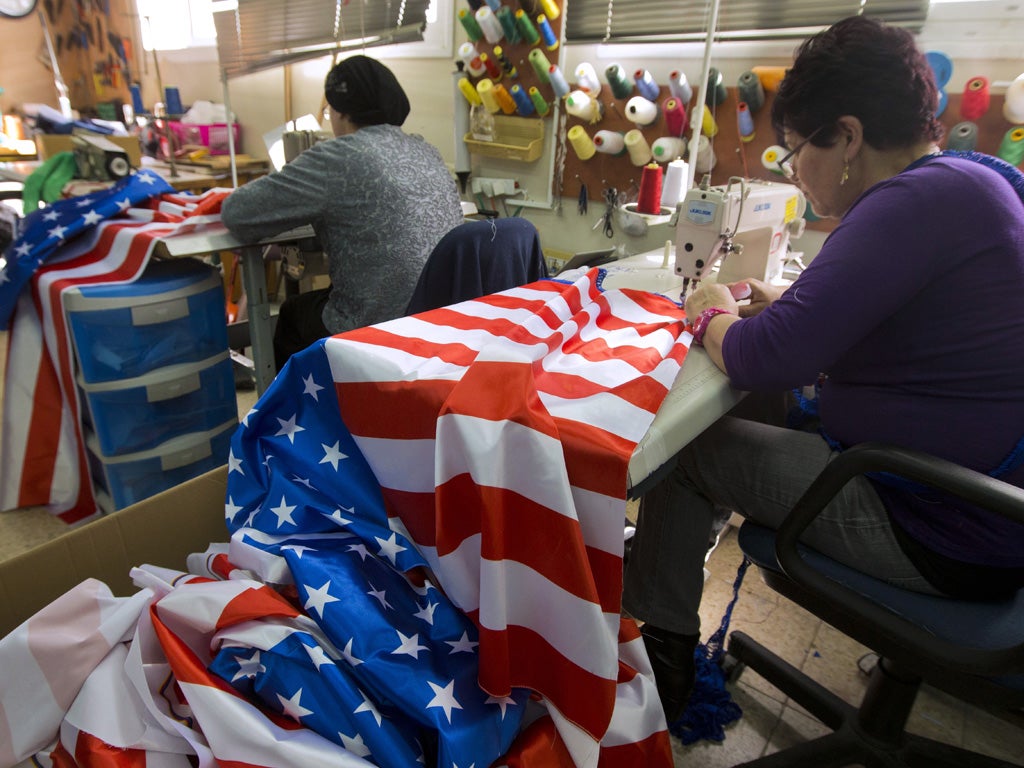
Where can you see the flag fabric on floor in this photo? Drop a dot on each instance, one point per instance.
(103, 237)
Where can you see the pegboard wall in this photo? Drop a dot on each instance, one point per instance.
(733, 156)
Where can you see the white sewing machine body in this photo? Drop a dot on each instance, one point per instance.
(748, 220)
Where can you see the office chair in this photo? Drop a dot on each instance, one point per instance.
(477, 258)
(971, 650)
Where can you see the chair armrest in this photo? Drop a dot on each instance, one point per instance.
(977, 488)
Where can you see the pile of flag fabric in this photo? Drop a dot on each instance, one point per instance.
(424, 565)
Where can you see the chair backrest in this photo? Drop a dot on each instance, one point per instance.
(477, 258)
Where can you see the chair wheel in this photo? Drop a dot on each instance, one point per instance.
(731, 667)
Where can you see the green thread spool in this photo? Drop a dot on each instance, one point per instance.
(540, 65)
(717, 92)
(529, 32)
(473, 30)
(1012, 147)
(619, 82)
(508, 24)
(539, 103)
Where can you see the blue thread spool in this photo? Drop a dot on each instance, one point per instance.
(524, 104)
(137, 99)
(744, 122)
(495, 5)
(172, 101)
(546, 32)
(645, 85)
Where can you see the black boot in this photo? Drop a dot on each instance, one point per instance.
(671, 656)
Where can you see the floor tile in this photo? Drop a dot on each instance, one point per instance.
(744, 740)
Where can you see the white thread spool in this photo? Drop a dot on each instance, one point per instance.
(638, 148)
(674, 185)
(705, 155)
(586, 79)
(467, 52)
(667, 148)
(641, 111)
(609, 142)
(771, 156)
(580, 104)
(1013, 106)
(679, 88)
(489, 24)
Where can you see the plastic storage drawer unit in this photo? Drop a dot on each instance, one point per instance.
(174, 313)
(137, 414)
(137, 476)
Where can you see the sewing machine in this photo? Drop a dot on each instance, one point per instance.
(748, 220)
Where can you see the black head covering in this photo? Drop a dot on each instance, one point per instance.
(366, 91)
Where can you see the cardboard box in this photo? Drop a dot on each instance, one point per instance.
(162, 530)
(50, 144)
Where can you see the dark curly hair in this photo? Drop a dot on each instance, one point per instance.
(863, 67)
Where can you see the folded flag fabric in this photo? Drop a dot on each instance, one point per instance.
(105, 237)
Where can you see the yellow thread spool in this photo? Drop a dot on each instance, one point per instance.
(469, 92)
(550, 8)
(485, 89)
(505, 101)
(708, 126)
(581, 143)
(638, 148)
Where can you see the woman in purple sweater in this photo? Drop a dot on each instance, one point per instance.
(910, 319)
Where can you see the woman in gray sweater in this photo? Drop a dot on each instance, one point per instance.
(378, 199)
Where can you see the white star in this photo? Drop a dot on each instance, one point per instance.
(332, 455)
(346, 654)
(462, 645)
(283, 512)
(51, 215)
(85, 202)
(4, 277)
(427, 612)
(289, 428)
(245, 421)
(248, 667)
(317, 655)
(145, 178)
(444, 698)
(234, 464)
(409, 645)
(379, 595)
(57, 232)
(316, 599)
(124, 205)
(354, 744)
(336, 516)
(292, 707)
(231, 509)
(23, 250)
(390, 548)
(359, 549)
(91, 218)
(298, 549)
(502, 701)
(367, 706)
(303, 481)
(312, 388)
(252, 517)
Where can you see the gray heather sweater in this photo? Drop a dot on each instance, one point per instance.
(379, 201)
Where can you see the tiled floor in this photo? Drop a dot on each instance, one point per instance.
(769, 722)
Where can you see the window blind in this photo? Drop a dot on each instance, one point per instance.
(253, 35)
(686, 20)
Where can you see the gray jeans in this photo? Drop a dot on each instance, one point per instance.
(759, 471)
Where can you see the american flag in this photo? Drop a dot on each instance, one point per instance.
(424, 564)
(103, 237)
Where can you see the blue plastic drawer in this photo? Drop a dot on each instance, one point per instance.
(174, 313)
(137, 414)
(137, 476)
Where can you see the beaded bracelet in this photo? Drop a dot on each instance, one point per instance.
(700, 326)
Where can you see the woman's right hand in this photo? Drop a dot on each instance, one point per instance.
(760, 293)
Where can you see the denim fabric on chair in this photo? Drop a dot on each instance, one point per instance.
(477, 258)
(972, 650)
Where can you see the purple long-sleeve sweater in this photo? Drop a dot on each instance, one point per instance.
(914, 309)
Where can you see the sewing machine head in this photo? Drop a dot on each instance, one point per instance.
(749, 221)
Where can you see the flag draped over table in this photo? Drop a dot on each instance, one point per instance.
(485, 444)
(103, 237)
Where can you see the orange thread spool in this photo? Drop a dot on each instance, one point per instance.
(649, 199)
(976, 98)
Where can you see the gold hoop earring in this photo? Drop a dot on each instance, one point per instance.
(846, 172)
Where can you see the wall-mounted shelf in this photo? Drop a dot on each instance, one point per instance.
(517, 138)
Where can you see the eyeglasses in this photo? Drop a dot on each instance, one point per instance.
(786, 163)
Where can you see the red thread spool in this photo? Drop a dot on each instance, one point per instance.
(493, 70)
(976, 99)
(649, 200)
(675, 116)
